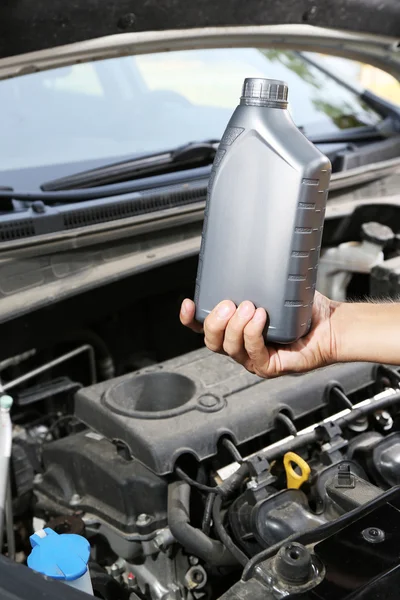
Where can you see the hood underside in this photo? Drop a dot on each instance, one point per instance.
(33, 25)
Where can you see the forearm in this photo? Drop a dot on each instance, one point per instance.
(367, 332)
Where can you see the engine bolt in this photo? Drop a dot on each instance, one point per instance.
(193, 560)
(143, 520)
(38, 479)
(197, 576)
(373, 535)
(118, 567)
(75, 499)
(384, 419)
(252, 484)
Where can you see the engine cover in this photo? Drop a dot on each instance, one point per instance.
(88, 467)
(187, 404)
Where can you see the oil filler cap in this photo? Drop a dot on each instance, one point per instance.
(264, 92)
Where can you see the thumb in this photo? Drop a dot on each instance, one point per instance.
(187, 314)
(255, 345)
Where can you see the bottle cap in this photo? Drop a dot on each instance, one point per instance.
(57, 556)
(377, 233)
(264, 92)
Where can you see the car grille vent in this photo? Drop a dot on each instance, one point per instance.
(16, 230)
(122, 210)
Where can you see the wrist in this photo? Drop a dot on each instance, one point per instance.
(367, 332)
(347, 332)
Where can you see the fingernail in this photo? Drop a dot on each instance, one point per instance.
(185, 307)
(223, 310)
(245, 309)
(259, 316)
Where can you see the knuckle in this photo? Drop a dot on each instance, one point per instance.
(261, 372)
(211, 345)
(227, 347)
(253, 352)
(235, 328)
(249, 335)
(231, 346)
(238, 358)
(211, 326)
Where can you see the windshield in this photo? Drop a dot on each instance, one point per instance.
(127, 106)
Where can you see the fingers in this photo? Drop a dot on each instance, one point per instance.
(216, 323)
(254, 342)
(233, 343)
(187, 314)
(235, 332)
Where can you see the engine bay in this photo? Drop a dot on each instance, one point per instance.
(188, 477)
(192, 478)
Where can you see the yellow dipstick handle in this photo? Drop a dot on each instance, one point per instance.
(295, 480)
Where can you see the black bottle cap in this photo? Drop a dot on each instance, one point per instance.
(264, 92)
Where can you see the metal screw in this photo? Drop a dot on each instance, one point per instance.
(195, 578)
(143, 520)
(164, 539)
(37, 479)
(193, 560)
(252, 485)
(384, 419)
(373, 535)
(75, 499)
(359, 425)
(118, 567)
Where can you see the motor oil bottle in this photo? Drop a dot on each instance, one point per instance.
(264, 214)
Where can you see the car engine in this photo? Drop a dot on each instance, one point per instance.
(193, 479)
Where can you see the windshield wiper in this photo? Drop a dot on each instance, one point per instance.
(189, 156)
(177, 166)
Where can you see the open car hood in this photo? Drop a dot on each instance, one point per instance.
(49, 33)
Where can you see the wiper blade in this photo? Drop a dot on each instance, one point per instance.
(185, 156)
(191, 155)
(369, 133)
(106, 191)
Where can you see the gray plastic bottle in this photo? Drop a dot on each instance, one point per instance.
(264, 215)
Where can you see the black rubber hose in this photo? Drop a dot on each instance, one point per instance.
(208, 509)
(208, 489)
(342, 396)
(104, 360)
(192, 539)
(234, 482)
(223, 535)
(230, 446)
(287, 421)
(312, 536)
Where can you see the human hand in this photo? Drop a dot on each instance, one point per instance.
(238, 333)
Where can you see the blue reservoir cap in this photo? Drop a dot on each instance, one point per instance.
(62, 556)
